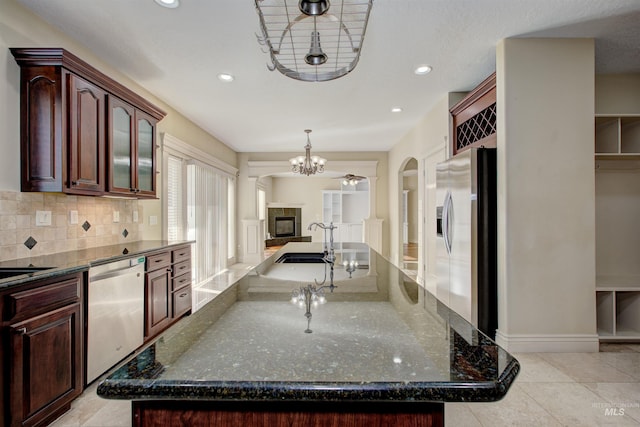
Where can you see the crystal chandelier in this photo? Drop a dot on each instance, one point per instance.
(292, 30)
(307, 164)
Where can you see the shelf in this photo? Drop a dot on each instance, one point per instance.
(617, 283)
(617, 135)
(347, 210)
(605, 313)
(618, 314)
(630, 135)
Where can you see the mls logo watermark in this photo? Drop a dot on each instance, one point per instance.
(615, 409)
(614, 412)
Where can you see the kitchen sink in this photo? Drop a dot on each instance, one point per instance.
(302, 257)
(6, 272)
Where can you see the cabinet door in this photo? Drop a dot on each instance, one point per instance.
(40, 382)
(85, 110)
(40, 129)
(145, 176)
(158, 301)
(121, 150)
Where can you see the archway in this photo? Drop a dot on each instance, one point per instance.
(408, 216)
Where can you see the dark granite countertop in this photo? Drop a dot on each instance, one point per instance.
(79, 260)
(379, 337)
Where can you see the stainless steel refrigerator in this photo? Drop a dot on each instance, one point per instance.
(466, 229)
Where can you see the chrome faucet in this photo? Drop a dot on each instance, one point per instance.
(330, 256)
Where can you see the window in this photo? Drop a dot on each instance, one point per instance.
(200, 205)
(175, 205)
(207, 222)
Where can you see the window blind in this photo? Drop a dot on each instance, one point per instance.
(207, 222)
(175, 205)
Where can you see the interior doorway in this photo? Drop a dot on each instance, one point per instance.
(409, 217)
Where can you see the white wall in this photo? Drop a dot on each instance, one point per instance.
(546, 203)
(20, 28)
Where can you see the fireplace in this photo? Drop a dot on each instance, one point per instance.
(285, 226)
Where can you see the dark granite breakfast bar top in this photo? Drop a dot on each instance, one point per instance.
(78, 260)
(379, 338)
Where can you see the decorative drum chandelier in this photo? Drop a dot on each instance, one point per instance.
(307, 164)
(313, 40)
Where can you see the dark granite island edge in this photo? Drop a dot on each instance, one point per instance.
(219, 391)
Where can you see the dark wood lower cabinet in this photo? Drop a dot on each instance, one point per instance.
(167, 289)
(42, 368)
(44, 360)
(158, 301)
(289, 414)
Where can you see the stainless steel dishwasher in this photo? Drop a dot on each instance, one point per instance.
(115, 313)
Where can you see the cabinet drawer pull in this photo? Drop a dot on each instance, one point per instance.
(21, 331)
(183, 295)
(74, 183)
(170, 270)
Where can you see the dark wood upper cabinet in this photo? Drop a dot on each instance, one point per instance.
(474, 118)
(72, 123)
(85, 167)
(132, 155)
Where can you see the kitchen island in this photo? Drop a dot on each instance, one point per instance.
(381, 351)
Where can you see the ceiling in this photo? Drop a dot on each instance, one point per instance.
(177, 53)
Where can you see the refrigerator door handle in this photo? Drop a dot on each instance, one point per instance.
(446, 216)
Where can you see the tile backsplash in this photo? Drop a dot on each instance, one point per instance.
(77, 222)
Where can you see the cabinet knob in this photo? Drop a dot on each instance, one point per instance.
(74, 183)
(21, 331)
(133, 190)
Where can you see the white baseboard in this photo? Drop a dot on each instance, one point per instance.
(525, 343)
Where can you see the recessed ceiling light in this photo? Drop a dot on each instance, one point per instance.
(396, 110)
(421, 70)
(224, 77)
(171, 4)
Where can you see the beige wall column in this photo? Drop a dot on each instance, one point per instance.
(546, 201)
(252, 245)
(373, 224)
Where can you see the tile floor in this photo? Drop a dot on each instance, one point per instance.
(553, 389)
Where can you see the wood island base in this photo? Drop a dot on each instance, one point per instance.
(291, 414)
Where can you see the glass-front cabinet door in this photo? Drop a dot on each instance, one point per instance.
(131, 151)
(145, 129)
(121, 147)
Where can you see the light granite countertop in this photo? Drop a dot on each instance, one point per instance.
(379, 337)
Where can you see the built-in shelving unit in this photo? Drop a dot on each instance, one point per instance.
(617, 136)
(618, 308)
(617, 164)
(347, 208)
